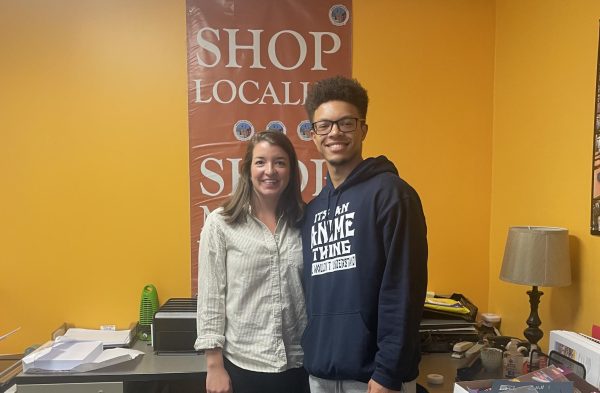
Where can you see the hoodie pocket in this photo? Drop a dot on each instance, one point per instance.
(339, 346)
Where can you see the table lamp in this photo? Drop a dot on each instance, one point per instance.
(536, 256)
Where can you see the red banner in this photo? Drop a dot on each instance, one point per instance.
(249, 66)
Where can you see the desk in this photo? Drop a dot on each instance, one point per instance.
(129, 376)
(444, 364)
(439, 363)
(121, 378)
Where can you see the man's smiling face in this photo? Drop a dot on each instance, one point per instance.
(339, 149)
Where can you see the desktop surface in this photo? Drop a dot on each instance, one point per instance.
(444, 364)
(149, 367)
(190, 366)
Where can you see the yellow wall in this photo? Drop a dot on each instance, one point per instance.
(94, 148)
(93, 154)
(428, 67)
(93, 162)
(545, 77)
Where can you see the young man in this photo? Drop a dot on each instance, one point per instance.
(365, 255)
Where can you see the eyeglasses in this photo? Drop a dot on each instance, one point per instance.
(346, 124)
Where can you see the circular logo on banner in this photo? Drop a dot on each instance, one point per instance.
(276, 125)
(304, 130)
(339, 15)
(243, 130)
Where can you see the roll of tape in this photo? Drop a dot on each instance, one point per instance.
(435, 379)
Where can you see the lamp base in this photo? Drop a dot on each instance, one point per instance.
(533, 333)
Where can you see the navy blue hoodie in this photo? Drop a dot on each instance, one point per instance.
(365, 277)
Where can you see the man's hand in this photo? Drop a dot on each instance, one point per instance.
(374, 387)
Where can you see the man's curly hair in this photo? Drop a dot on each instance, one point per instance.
(337, 88)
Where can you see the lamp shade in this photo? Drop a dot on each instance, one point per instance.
(537, 256)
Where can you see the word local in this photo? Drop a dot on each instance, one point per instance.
(249, 92)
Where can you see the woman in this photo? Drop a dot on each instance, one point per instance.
(251, 311)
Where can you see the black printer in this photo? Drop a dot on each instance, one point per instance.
(174, 326)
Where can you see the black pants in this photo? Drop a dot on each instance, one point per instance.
(290, 381)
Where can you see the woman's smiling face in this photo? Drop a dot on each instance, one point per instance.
(269, 171)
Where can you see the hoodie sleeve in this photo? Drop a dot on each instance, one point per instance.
(403, 289)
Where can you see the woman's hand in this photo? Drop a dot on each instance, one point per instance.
(217, 381)
(217, 378)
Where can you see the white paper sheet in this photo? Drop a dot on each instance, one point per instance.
(75, 356)
(109, 338)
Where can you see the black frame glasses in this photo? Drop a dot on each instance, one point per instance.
(345, 124)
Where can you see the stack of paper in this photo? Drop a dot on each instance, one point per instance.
(63, 355)
(109, 338)
(75, 356)
(448, 325)
(439, 335)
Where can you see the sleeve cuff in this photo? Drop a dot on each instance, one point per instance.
(386, 381)
(209, 342)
